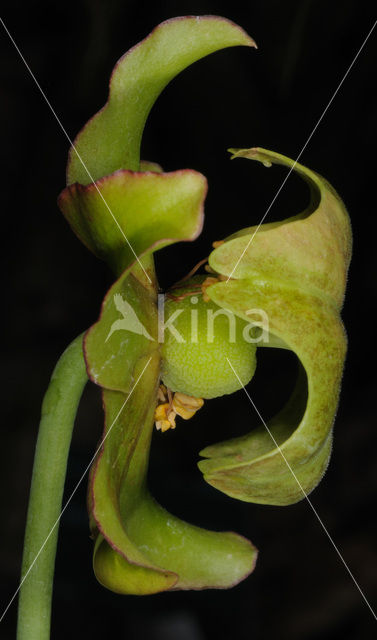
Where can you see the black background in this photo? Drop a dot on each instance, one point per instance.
(53, 287)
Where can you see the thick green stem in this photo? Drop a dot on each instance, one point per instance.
(58, 415)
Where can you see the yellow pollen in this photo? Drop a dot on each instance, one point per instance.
(179, 404)
(186, 406)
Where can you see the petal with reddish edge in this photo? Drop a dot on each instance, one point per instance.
(111, 139)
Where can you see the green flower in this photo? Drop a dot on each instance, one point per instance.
(124, 210)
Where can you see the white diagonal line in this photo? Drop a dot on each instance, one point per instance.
(302, 150)
(74, 491)
(305, 495)
(72, 145)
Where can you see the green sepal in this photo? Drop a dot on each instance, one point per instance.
(111, 139)
(141, 548)
(295, 271)
(158, 209)
(125, 331)
(130, 214)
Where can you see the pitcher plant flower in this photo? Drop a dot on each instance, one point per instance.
(151, 355)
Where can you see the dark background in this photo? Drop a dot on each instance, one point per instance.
(53, 287)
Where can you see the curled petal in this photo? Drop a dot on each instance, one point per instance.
(295, 271)
(310, 250)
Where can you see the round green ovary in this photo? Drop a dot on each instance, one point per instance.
(200, 367)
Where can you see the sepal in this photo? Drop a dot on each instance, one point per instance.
(140, 548)
(127, 215)
(111, 139)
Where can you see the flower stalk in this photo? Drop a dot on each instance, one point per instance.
(45, 502)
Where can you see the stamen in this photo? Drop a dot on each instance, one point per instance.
(178, 404)
(186, 406)
(184, 295)
(207, 283)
